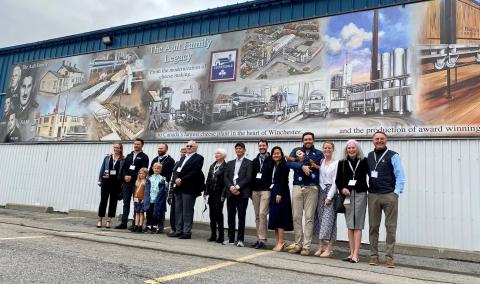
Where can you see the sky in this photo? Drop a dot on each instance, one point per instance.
(353, 35)
(25, 21)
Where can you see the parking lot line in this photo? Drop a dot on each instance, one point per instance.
(66, 218)
(204, 269)
(22, 238)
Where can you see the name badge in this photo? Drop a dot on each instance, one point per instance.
(179, 170)
(374, 174)
(113, 172)
(259, 175)
(271, 186)
(132, 167)
(352, 182)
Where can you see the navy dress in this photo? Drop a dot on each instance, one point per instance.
(280, 215)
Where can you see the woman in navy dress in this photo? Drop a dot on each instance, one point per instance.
(280, 216)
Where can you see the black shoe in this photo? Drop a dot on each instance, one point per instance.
(347, 259)
(174, 234)
(220, 240)
(255, 244)
(131, 228)
(146, 230)
(212, 238)
(134, 229)
(260, 245)
(121, 227)
(159, 231)
(140, 230)
(185, 237)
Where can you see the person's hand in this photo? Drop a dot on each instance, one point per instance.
(346, 192)
(328, 201)
(237, 192)
(306, 170)
(233, 189)
(128, 178)
(99, 183)
(222, 199)
(278, 198)
(178, 181)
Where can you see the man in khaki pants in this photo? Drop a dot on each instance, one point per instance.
(387, 180)
(305, 192)
(262, 179)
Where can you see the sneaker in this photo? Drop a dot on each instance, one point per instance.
(374, 260)
(305, 252)
(295, 250)
(228, 243)
(121, 227)
(389, 262)
(291, 246)
(260, 245)
(240, 244)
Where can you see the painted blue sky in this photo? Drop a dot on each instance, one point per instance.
(352, 34)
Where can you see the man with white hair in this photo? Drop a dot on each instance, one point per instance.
(189, 183)
(14, 89)
(13, 134)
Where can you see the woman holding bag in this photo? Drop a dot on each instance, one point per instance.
(352, 183)
(326, 218)
(110, 184)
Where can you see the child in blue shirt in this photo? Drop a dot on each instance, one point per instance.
(155, 200)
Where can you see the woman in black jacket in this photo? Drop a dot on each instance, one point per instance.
(110, 184)
(351, 181)
(280, 210)
(214, 187)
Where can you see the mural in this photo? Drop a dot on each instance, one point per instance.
(402, 70)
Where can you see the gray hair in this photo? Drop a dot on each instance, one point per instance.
(360, 154)
(222, 152)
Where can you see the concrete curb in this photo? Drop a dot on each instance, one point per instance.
(29, 208)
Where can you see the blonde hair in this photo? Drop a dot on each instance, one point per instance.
(139, 182)
(157, 164)
(360, 154)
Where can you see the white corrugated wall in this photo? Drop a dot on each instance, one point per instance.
(440, 206)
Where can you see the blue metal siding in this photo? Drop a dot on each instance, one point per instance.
(218, 20)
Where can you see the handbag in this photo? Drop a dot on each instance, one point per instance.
(339, 199)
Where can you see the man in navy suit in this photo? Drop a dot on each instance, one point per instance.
(189, 183)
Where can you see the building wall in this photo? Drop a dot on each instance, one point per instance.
(49, 84)
(439, 208)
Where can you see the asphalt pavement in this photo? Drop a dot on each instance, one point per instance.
(58, 248)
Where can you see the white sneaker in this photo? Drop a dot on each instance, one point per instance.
(227, 243)
(240, 244)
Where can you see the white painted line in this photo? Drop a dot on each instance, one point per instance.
(23, 238)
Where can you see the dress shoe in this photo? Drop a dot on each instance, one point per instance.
(255, 244)
(159, 231)
(347, 259)
(131, 228)
(354, 260)
(174, 234)
(185, 237)
(212, 238)
(260, 245)
(108, 224)
(220, 240)
(99, 223)
(121, 227)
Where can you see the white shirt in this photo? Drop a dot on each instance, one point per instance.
(238, 164)
(328, 174)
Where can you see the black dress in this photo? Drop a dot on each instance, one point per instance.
(280, 216)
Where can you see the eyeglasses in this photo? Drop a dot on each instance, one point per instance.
(189, 146)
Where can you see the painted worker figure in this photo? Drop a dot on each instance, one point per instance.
(387, 180)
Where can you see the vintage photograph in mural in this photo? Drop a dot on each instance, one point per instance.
(407, 71)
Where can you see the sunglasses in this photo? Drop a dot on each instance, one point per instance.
(189, 146)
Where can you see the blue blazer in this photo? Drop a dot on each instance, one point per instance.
(160, 202)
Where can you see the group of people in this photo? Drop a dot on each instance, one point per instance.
(322, 187)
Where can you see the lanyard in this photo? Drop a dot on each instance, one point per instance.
(351, 167)
(375, 156)
(273, 173)
(114, 162)
(262, 161)
(134, 157)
